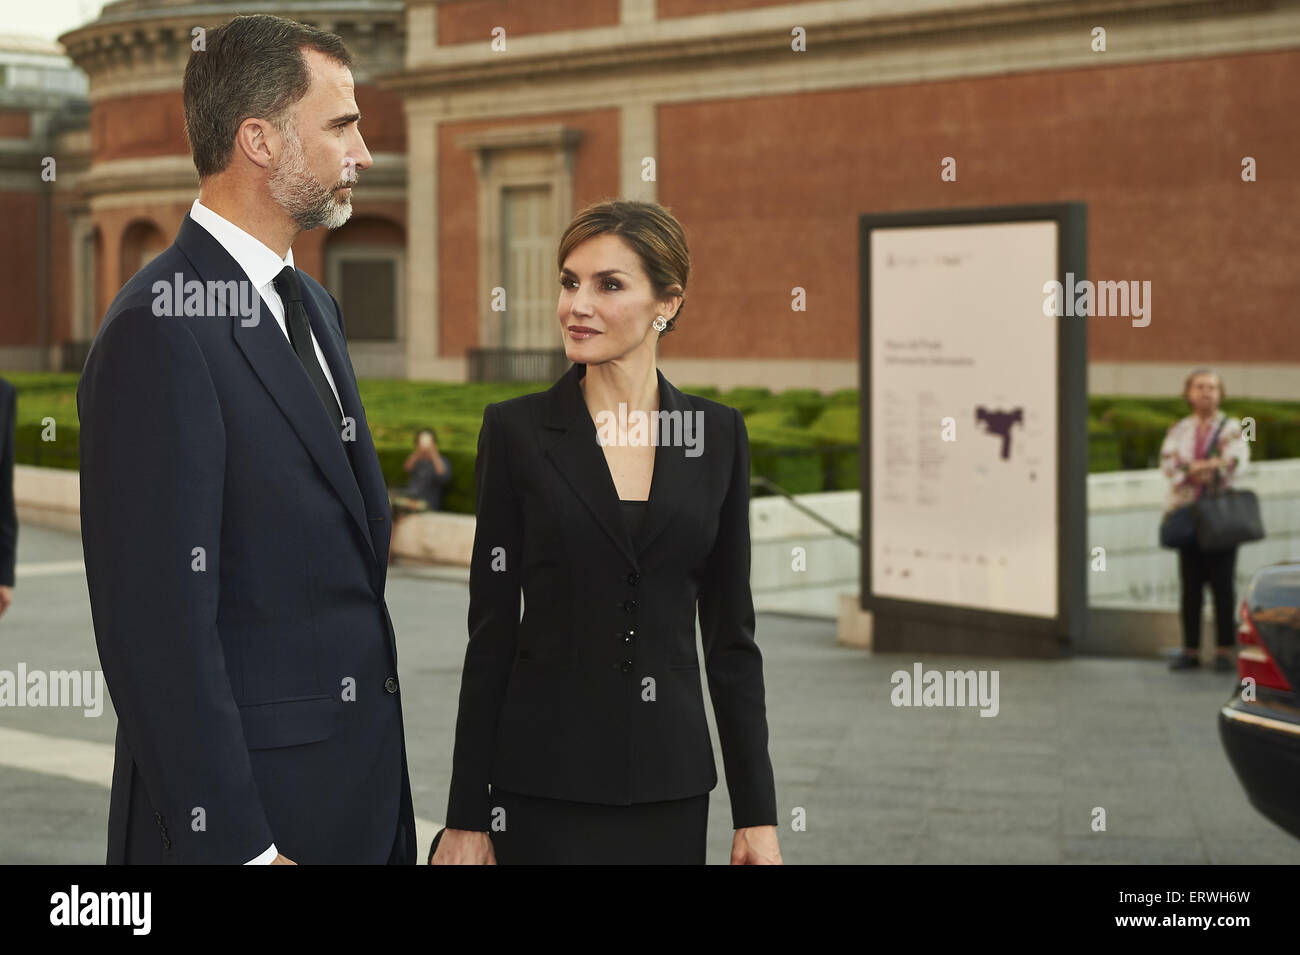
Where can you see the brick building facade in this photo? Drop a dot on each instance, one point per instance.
(492, 121)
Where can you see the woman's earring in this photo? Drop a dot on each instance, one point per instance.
(659, 323)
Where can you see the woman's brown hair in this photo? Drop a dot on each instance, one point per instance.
(652, 232)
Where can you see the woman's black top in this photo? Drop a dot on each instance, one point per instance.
(633, 513)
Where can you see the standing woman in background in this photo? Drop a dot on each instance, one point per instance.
(586, 718)
(1191, 458)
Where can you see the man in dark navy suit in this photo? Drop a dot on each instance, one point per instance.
(234, 518)
(8, 513)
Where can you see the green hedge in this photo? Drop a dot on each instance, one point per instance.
(396, 409)
(800, 439)
(1139, 431)
(837, 426)
(42, 396)
(1277, 427)
(1103, 447)
(32, 447)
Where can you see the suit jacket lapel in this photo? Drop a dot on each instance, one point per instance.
(361, 451)
(269, 353)
(577, 455)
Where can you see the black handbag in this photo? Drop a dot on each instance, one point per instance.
(1225, 519)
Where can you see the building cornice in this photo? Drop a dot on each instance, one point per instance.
(145, 50)
(737, 38)
(541, 135)
(123, 176)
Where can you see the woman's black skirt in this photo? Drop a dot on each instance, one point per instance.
(541, 831)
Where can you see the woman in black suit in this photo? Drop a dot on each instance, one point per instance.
(581, 735)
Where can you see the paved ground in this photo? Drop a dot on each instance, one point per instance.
(876, 783)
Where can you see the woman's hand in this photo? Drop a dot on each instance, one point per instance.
(1203, 471)
(755, 845)
(464, 847)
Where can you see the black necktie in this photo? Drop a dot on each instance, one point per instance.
(289, 286)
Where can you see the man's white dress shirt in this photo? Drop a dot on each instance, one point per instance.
(261, 265)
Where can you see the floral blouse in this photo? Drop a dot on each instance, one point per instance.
(1183, 445)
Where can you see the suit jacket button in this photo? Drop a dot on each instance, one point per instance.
(390, 685)
(629, 605)
(633, 578)
(625, 666)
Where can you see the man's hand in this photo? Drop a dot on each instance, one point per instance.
(6, 598)
(755, 845)
(282, 860)
(464, 847)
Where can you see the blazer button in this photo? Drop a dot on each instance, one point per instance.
(629, 606)
(625, 666)
(633, 578)
(390, 685)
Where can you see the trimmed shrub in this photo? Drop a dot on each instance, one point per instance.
(800, 439)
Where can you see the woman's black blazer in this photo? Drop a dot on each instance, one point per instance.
(594, 695)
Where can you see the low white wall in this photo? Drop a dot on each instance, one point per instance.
(1124, 511)
(799, 566)
(48, 497)
(436, 538)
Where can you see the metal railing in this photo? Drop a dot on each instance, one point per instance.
(516, 364)
(759, 481)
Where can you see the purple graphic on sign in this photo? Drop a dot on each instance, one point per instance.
(999, 423)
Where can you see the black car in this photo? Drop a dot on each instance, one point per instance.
(1260, 723)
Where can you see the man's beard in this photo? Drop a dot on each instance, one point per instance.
(310, 204)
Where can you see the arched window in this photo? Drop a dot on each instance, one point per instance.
(142, 242)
